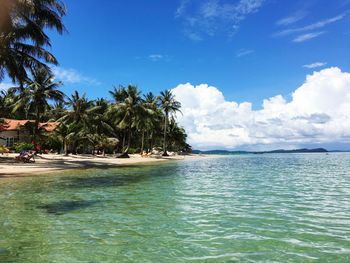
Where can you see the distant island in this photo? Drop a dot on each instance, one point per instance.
(303, 150)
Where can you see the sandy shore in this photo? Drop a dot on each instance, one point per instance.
(48, 163)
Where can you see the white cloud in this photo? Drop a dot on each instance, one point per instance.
(291, 19)
(71, 76)
(308, 36)
(315, 65)
(182, 8)
(155, 57)
(244, 52)
(5, 86)
(318, 113)
(314, 26)
(207, 18)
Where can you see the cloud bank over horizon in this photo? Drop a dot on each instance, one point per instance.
(317, 114)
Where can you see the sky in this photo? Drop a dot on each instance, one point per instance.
(261, 74)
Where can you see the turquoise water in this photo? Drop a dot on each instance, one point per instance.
(249, 208)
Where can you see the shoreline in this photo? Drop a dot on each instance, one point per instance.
(55, 163)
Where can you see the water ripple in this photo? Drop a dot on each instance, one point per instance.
(247, 208)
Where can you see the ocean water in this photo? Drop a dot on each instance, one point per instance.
(244, 208)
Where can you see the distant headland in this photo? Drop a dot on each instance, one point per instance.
(303, 150)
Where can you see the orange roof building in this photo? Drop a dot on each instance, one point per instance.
(12, 131)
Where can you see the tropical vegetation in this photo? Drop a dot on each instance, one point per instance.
(133, 123)
(128, 122)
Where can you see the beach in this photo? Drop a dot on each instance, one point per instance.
(48, 163)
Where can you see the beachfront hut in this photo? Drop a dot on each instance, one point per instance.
(12, 131)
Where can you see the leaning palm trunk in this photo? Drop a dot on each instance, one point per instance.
(165, 132)
(129, 141)
(123, 145)
(125, 153)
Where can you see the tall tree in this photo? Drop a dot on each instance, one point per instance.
(37, 93)
(129, 110)
(119, 94)
(76, 119)
(169, 105)
(23, 41)
(151, 120)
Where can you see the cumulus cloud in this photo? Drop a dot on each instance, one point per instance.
(71, 76)
(206, 18)
(315, 65)
(318, 113)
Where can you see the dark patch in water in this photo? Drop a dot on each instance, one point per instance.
(115, 180)
(103, 181)
(62, 207)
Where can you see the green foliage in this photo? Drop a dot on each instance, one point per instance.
(23, 38)
(51, 143)
(134, 150)
(23, 146)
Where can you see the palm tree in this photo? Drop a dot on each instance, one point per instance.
(169, 105)
(79, 108)
(119, 94)
(177, 136)
(8, 99)
(99, 128)
(150, 121)
(129, 110)
(22, 36)
(37, 94)
(76, 118)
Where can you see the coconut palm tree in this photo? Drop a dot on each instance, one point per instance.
(119, 94)
(79, 108)
(129, 110)
(169, 105)
(176, 136)
(76, 118)
(22, 37)
(37, 93)
(152, 120)
(7, 100)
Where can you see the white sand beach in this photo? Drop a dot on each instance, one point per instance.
(48, 163)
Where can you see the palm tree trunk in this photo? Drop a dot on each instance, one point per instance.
(142, 141)
(36, 127)
(165, 132)
(125, 153)
(151, 142)
(129, 140)
(124, 134)
(65, 148)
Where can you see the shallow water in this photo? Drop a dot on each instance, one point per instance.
(247, 208)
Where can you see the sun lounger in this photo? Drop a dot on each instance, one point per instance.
(26, 157)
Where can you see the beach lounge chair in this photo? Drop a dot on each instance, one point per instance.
(26, 157)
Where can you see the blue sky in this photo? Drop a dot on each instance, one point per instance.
(248, 54)
(250, 74)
